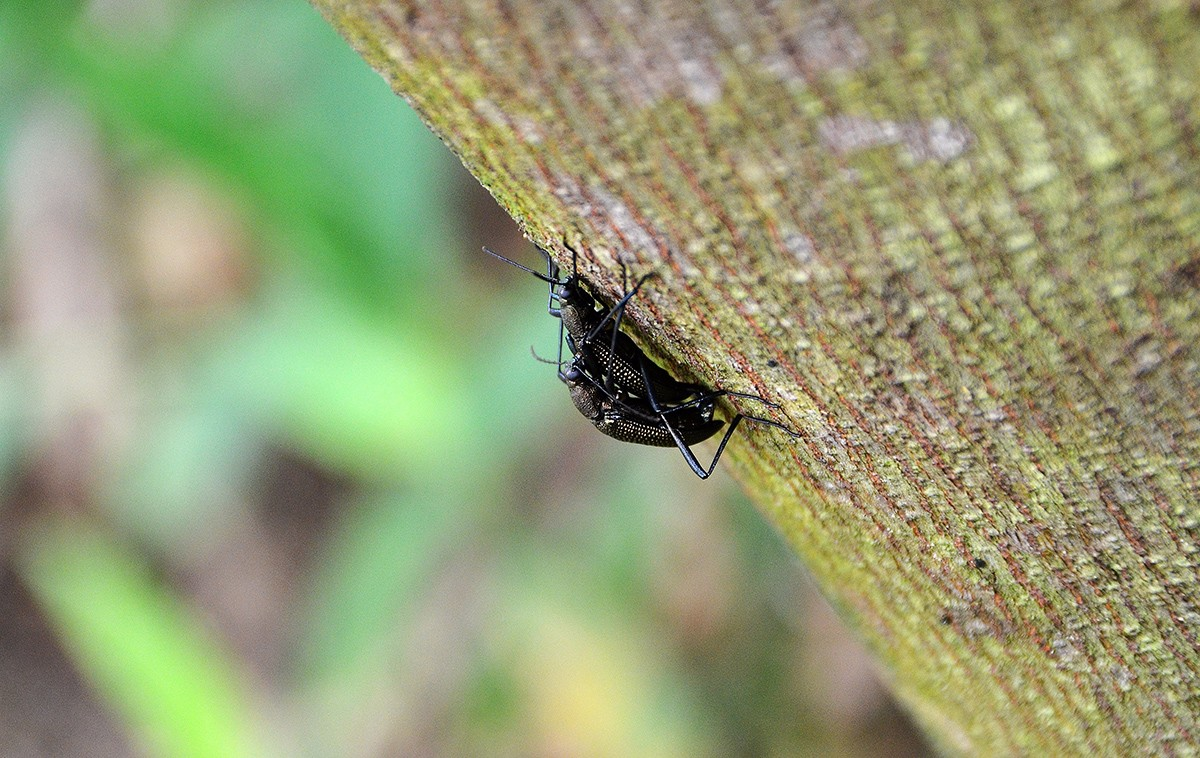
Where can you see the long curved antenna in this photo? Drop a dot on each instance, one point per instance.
(511, 262)
(560, 363)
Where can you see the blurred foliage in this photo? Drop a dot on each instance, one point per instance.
(277, 474)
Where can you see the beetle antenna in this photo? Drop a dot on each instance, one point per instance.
(511, 262)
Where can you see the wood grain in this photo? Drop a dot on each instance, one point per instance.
(958, 243)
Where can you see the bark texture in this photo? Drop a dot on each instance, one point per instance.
(959, 243)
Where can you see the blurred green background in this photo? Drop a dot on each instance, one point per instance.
(278, 475)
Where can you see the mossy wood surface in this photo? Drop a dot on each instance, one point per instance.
(959, 243)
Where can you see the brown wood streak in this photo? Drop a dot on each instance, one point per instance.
(975, 433)
(1076, 351)
(1067, 462)
(814, 451)
(863, 425)
(931, 451)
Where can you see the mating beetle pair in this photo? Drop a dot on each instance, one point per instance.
(617, 387)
